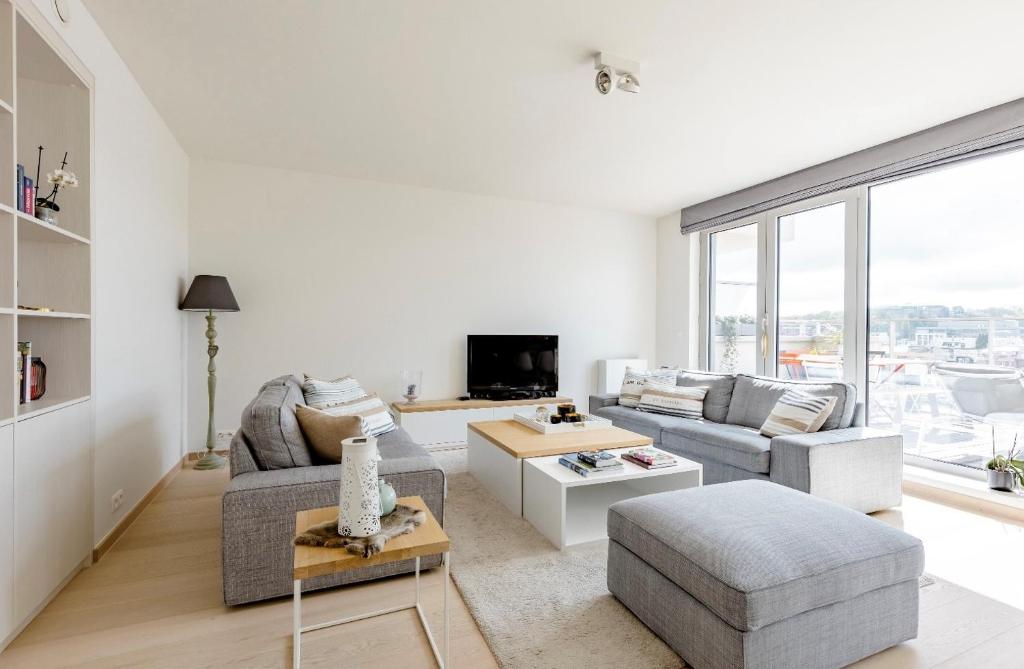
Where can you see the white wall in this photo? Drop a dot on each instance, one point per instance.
(338, 276)
(140, 261)
(678, 268)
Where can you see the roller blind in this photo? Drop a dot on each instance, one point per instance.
(996, 129)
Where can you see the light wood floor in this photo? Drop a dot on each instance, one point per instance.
(155, 601)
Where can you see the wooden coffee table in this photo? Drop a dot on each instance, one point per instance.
(310, 562)
(497, 449)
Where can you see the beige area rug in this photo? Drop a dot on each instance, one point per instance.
(538, 607)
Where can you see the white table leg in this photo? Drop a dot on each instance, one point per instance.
(296, 623)
(447, 634)
(417, 580)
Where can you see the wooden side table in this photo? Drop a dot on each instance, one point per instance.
(310, 562)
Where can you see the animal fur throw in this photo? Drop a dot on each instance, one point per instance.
(402, 520)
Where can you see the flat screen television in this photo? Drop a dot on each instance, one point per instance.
(512, 366)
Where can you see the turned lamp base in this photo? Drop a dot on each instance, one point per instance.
(210, 461)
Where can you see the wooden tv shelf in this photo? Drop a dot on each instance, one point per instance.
(455, 405)
(441, 423)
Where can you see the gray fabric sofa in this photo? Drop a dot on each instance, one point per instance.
(750, 574)
(274, 475)
(846, 462)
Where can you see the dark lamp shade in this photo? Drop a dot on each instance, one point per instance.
(209, 293)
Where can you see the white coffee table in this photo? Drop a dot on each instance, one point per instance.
(571, 509)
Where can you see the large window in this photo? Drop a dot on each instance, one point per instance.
(946, 326)
(912, 289)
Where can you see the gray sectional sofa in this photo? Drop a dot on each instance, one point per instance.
(274, 474)
(857, 466)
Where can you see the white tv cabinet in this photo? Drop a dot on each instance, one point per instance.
(439, 423)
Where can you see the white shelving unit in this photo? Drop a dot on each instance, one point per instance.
(46, 445)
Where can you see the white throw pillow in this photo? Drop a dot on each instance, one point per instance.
(634, 380)
(319, 393)
(376, 418)
(668, 398)
(796, 412)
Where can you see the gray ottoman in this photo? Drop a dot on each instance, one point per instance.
(753, 574)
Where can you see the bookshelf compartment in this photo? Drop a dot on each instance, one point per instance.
(6, 58)
(8, 390)
(6, 261)
(53, 111)
(54, 275)
(64, 347)
(8, 194)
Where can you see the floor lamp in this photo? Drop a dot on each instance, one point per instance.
(210, 294)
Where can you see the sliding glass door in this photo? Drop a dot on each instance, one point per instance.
(778, 288)
(809, 305)
(733, 299)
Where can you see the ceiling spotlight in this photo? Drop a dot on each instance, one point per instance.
(628, 83)
(603, 80)
(608, 67)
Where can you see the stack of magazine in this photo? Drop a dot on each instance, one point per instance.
(649, 458)
(587, 463)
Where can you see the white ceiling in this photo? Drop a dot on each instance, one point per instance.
(497, 97)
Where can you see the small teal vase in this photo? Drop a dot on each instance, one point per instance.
(387, 497)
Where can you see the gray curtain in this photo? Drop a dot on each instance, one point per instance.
(997, 129)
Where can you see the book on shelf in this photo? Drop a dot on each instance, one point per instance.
(25, 372)
(599, 459)
(648, 465)
(19, 187)
(572, 461)
(30, 198)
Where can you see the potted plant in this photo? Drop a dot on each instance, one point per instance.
(1005, 471)
(46, 207)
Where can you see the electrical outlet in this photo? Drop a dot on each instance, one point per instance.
(225, 434)
(116, 500)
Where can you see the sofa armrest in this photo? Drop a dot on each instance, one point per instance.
(859, 467)
(601, 401)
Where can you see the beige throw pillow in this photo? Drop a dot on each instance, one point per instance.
(325, 431)
(796, 412)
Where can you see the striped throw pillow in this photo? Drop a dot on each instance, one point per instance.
(319, 393)
(796, 412)
(376, 418)
(634, 380)
(668, 398)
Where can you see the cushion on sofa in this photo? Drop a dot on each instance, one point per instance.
(756, 552)
(320, 393)
(741, 447)
(673, 400)
(796, 412)
(324, 432)
(754, 397)
(641, 422)
(376, 416)
(633, 383)
(271, 428)
(716, 401)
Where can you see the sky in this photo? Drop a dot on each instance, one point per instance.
(953, 236)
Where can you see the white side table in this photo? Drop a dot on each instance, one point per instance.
(310, 562)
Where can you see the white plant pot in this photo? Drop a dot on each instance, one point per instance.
(359, 500)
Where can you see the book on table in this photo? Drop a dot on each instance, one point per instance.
(599, 459)
(649, 458)
(572, 461)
